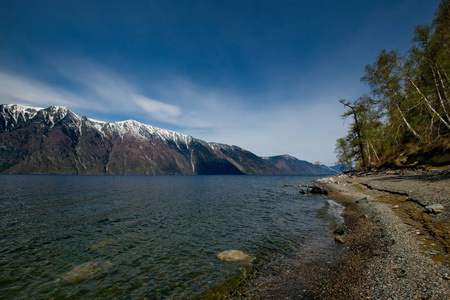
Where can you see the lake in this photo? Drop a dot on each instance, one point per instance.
(135, 237)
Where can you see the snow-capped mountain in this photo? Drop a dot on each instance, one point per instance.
(57, 141)
(54, 140)
(15, 116)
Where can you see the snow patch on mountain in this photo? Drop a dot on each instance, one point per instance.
(285, 156)
(218, 146)
(139, 130)
(54, 114)
(18, 114)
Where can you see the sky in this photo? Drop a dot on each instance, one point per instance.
(265, 75)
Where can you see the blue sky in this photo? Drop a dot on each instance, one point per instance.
(265, 75)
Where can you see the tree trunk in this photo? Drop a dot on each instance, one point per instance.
(407, 123)
(425, 98)
(358, 134)
(374, 151)
(441, 100)
(443, 84)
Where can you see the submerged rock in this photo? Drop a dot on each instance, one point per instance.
(83, 271)
(103, 244)
(234, 255)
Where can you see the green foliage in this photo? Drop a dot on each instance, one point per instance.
(410, 100)
(363, 143)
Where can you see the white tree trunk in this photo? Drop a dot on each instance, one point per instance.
(407, 123)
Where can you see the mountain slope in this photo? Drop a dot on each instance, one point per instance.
(54, 140)
(292, 165)
(245, 160)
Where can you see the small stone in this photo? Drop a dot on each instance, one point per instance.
(396, 206)
(340, 239)
(435, 208)
(362, 200)
(400, 272)
(339, 231)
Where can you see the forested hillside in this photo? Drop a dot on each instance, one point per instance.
(405, 121)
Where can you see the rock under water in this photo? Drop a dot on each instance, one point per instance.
(83, 271)
(103, 244)
(234, 255)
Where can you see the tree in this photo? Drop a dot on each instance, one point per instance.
(361, 147)
(356, 131)
(410, 98)
(388, 86)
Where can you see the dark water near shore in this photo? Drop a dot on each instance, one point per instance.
(148, 236)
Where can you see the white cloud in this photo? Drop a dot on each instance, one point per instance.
(22, 90)
(92, 88)
(305, 131)
(107, 90)
(161, 111)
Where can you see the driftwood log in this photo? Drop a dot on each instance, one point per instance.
(309, 189)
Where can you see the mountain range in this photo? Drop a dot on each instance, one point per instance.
(55, 140)
(292, 165)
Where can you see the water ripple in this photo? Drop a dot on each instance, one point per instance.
(145, 236)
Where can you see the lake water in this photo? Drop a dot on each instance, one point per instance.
(135, 237)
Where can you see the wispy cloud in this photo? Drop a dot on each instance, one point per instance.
(208, 113)
(160, 111)
(89, 87)
(270, 127)
(19, 89)
(107, 90)
(302, 131)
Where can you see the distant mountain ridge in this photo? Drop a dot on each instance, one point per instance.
(292, 165)
(55, 140)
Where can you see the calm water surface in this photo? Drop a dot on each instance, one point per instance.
(148, 236)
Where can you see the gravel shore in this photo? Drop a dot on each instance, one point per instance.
(396, 243)
(408, 242)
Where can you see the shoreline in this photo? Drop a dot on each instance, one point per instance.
(394, 247)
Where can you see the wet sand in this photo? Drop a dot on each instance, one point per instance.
(394, 246)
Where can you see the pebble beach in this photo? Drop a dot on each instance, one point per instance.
(395, 241)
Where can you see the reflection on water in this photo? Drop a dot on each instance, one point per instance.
(145, 236)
